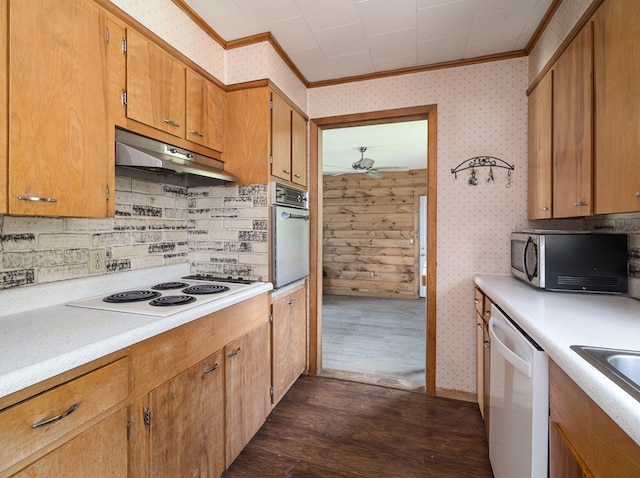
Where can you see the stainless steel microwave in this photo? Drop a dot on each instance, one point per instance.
(570, 261)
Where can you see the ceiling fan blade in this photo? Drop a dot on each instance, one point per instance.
(374, 174)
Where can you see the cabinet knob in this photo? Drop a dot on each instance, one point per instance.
(638, 194)
(544, 208)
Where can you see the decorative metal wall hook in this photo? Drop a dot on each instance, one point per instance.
(483, 162)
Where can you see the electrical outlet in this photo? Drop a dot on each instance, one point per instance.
(97, 261)
(373, 274)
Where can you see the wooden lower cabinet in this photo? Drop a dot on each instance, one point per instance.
(288, 340)
(101, 451)
(583, 440)
(483, 354)
(247, 377)
(187, 422)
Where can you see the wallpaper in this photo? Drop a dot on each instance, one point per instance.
(482, 110)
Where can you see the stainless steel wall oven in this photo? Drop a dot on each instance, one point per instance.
(289, 234)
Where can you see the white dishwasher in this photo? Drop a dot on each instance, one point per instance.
(518, 401)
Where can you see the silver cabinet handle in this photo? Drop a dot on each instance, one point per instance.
(476, 301)
(197, 133)
(211, 369)
(46, 421)
(36, 198)
(286, 171)
(171, 122)
(297, 176)
(231, 354)
(581, 203)
(638, 194)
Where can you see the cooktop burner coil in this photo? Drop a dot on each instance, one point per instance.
(201, 289)
(169, 285)
(131, 296)
(169, 300)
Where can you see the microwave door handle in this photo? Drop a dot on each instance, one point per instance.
(286, 215)
(509, 355)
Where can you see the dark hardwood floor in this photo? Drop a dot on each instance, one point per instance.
(325, 428)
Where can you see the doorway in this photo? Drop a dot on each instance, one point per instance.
(316, 279)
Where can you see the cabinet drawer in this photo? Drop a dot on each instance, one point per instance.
(38, 421)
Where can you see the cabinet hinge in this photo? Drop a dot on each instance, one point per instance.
(271, 392)
(107, 36)
(128, 429)
(123, 98)
(147, 417)
(123, 45)
(271, 318)
(108, 193)
(270, 159)
(270, 104)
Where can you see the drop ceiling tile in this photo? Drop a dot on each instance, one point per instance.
(311, 59)
(358, 63)
(441, 49)
(293, 34)
(502, 27)
(260, 12)
(210, 8)
(492, 6)
(232, 25)
(382, 16)
(328, 14)
(343, 40)
(451, 19)
(537, 14)
(389, 64)
(393, 45)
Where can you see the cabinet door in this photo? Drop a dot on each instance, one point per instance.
(281, 348)
(155, 86)
(3, 111)
(187, 422)
(59, 153)
(247, 378)
(573, 128)
(298, 149)
(205, 112)
(280, 138)
(563, 460)
(617, 95)
(540, 149)
(298, 333)
(99, 451)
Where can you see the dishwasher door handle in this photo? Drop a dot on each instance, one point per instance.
(509, 355)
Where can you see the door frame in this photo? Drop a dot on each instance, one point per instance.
(428, 112)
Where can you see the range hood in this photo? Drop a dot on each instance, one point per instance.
(145, 158)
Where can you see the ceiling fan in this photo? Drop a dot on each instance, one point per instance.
(365, 165)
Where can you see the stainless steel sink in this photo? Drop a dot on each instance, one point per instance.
(621, 366)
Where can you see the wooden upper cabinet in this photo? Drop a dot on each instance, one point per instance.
(59, 156)
(540, 159)
(3, 112)
(280, 138)
(155, 86)
(573, 128)
(298, 149)
(617, 96)
(205, 112)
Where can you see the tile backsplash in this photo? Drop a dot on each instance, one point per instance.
(219, 230)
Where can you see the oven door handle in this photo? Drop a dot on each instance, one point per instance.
(286, 215)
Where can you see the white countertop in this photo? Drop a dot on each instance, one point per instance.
(39, 344)
(557, 320)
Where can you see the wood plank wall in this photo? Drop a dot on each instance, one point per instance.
(370, 234)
